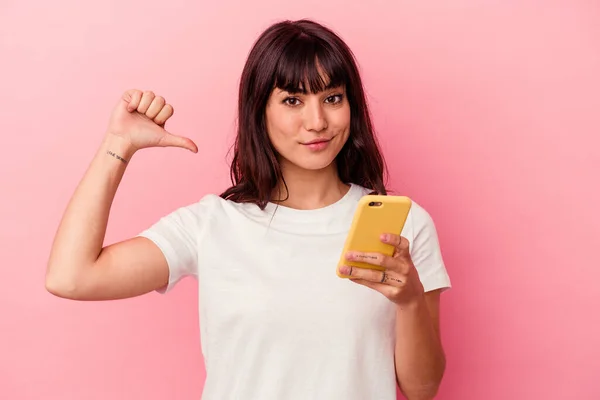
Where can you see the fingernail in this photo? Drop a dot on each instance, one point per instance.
(385, 237)
(344, 270)
(349, 256)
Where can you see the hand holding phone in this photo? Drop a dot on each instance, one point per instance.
(374, 216)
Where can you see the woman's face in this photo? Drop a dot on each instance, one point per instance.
(308, 130)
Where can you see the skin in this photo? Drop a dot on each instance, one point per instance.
(294, 119)
(80, 268)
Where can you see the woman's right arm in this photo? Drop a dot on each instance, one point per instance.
(79, 267)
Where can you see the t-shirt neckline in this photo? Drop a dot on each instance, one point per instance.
(313, 214)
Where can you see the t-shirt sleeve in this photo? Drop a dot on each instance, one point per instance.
(425, 251)
(176, 235)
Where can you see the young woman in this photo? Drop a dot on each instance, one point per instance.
(276, 320)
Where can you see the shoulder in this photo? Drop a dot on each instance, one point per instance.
(420, 227)
(206, 203)
(194, 212)
(215, 207)
(421, 230)
(419, 216)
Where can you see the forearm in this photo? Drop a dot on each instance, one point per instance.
(80, 235)
(419, 356)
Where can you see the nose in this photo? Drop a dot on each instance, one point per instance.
(314, 116)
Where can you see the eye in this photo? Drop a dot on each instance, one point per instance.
(335, 99)
(291, 101)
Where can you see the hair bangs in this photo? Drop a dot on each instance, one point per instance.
(308, 65)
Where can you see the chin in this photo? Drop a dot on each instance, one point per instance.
(314, 166)
(313, 163)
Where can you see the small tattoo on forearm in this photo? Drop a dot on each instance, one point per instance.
(116, 156)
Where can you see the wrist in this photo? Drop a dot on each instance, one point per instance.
(412, 303)
(117, 147)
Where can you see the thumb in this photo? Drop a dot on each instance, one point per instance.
(170, 140)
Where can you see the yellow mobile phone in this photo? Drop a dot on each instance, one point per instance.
(375, 215)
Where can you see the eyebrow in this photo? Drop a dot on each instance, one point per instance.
(301, 90)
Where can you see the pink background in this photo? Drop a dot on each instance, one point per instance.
(489, 115)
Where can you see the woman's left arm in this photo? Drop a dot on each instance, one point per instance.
(419, 355)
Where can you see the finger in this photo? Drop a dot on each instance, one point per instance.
(366, 274)
(132, 98)
(155, 107)
(403, 249)
(170, 140)
(165, 113)
(373, 259)
(147, 98)
(391, 239)
(404, 245)
(400, 243)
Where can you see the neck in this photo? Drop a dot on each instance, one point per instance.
(309, 189)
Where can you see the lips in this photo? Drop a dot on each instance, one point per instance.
(317, 145)
(316, 141)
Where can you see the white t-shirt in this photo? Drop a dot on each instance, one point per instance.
(276, 322)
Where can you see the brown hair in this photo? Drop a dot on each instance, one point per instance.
(285, 56)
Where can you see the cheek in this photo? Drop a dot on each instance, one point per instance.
(282, 127)
(340, 121)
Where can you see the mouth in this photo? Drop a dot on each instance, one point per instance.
(316, 141)
(317, 145)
